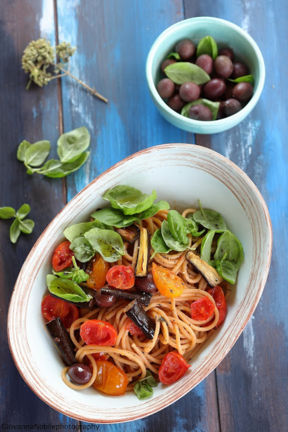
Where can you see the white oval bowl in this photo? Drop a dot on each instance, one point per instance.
(181, 174)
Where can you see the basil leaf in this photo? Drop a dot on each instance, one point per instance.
(206, 246)
(170, 241)
(142, 390)
(7, 212)
(76, 230)
(173, 55)
(177, 226)
(213, 106)
(56, 169)
(192, 227)
(207, 45)
(75, 275)
(129, 199)
(107, 242)
(14, 231)
(36, 153)
(71, 145)
(150, 379)
(26, 226)
(244, 78)
(182, 72)
(66, 289)
(155, 208)
(158, 244)
(23, 146)
(209, 219)
(230, 247)
(227, 270)
(23, 211)
(82, 249)
(113, 217)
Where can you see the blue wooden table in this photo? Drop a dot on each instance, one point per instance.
(248, 391)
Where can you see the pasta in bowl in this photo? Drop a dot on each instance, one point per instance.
(145, 284)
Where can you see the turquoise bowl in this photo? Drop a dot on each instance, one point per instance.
(226, 34)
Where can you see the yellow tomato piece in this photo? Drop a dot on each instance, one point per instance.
(168, 283)
(97, 274)
(110, 379)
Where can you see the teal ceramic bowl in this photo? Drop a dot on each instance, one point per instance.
(226, 34)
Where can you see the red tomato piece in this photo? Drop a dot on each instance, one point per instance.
(133, 329)
(62, 256)
(53, 307)
(202, 309)
(121, 277)
(97, 332)
(100, 356)
(172, 368)
(219, 298)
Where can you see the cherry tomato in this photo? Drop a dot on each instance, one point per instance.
(110, 379)
(97, 332)
(202, 309)
(97, 275)
(62, 256)
(133, 329)
(121, 277)
(168, 283)
(53, 307)
(172, 368)
(100, 356)
(219, 298)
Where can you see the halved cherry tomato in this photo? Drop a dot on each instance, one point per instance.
(168, 283)
(202, 309)
(62, 256)
(97, 274)
(172, 368)
(121, 277)
(133, 329)
(110, 379)
(97, 332)
(100, 356)
(53, 307)
(219, 298)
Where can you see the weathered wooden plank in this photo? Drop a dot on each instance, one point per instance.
(113, 40)
(31, 115)
(251, 384)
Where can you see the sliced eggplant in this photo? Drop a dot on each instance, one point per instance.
(207, 271)
(143, 298)
(62, 341)
(129, 234)
(143, 254)
(138, 315)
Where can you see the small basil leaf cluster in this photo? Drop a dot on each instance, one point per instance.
(20, 224)
(71, 149)
(143, 388)
(75, 273)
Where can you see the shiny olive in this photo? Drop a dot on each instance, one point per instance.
(185, 48)
(189, 91)
(105, 300)
(227, 52)
(242, 91)
(175, 102)
(165, 88)
(231, 106)
(200, 112)
(205, 62)
(79, 373)
(166, 63)
(214, 89)
(145, 284)
(239, 69)
(223, 66)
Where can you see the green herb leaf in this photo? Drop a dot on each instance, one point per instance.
(143, 388)
(129, 199)
(182, 72)
(170, 241)
(158, 244)
(177, 226)
(173, 55)
(213, 106)
(113, 217)
(227, 270)
(192, 227)
(56, 169)
(82, 249)
(207, 45)
(77, 230)
(22, 148)
(23, 211)
(210, 219)
(206, 246)
(230, 247)
(107, 242)
(7, 212)
(72, 144)
(244, 78)
(75, 274)
(155, 208)
(36, 153)
(66, 289)
(14, 231)
(26, 226)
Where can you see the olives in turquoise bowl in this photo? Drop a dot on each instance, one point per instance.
(182, 100)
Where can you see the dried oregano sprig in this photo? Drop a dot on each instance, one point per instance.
(39, 60)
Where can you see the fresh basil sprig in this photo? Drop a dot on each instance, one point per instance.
(209, 219)
(20, 224)
(75, 274)
(71, 148)
(129, 199)
(143, 388)
(66, 289)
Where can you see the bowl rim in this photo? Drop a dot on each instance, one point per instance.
(223, 123)
(265, 272)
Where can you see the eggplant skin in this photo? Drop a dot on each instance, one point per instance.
(207, 271)
(138, 315)
(62, 341)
